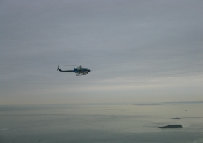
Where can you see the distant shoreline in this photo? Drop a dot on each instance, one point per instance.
(139, 104)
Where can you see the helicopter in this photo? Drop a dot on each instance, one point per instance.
(78, 70)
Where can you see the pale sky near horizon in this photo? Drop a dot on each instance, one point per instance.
(138, 51)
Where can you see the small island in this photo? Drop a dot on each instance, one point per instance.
(172, 126)
(176, 118)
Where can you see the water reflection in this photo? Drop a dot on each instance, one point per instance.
(101, 123)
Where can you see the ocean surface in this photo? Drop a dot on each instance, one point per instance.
(101, 123)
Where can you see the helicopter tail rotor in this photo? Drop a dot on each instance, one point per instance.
(58, 68)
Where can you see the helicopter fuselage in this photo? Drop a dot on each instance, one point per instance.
(79, 70)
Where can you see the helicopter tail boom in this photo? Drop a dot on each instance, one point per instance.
(60, 70)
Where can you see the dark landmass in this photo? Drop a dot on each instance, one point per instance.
(176, 118)
(147, 104)
(172, 126)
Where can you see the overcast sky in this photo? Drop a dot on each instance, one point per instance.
(138, 51)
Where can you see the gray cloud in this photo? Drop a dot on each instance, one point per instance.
(139, 40)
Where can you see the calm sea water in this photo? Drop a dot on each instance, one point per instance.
(128, 123)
